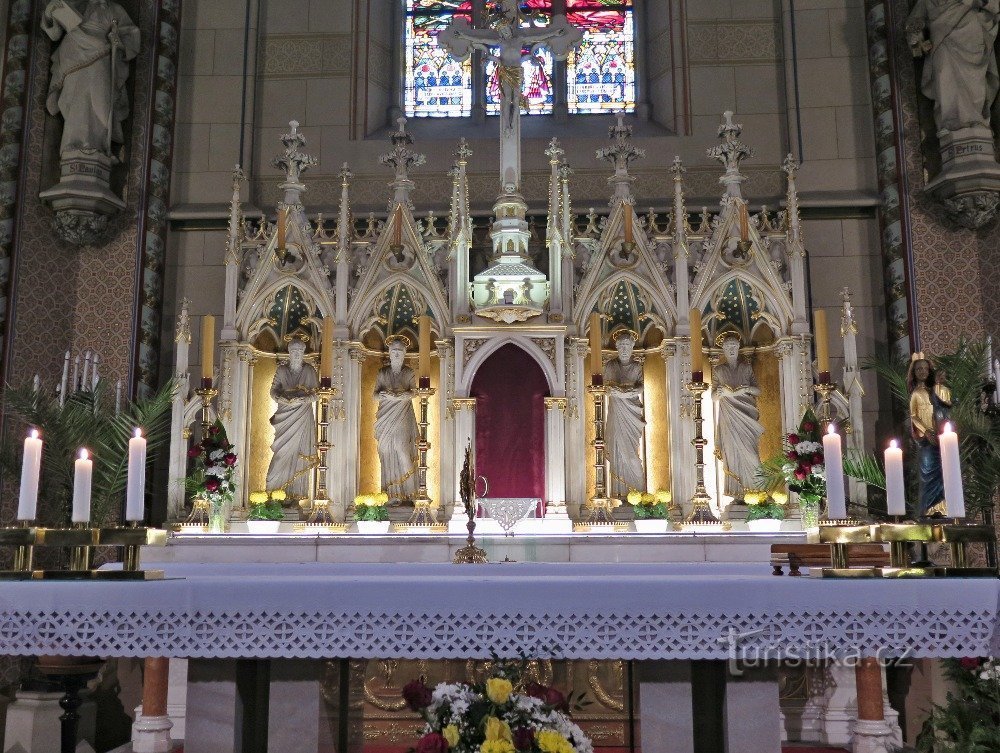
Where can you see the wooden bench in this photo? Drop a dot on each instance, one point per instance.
(796, 556)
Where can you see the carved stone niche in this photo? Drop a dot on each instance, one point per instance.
(968, 184)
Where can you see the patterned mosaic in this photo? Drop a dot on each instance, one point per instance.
(733, 42)
(305, 55)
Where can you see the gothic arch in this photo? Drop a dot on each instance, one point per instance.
(360, 318)
(663, 308)
(493, 344)
(778, 309)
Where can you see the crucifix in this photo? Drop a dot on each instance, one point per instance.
(504, 42)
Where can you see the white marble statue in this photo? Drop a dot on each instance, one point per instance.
(89, 71)
(737, 428)
(294, 389)
(625, 424)
(960, 64)
(396, 424)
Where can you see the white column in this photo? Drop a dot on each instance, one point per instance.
(448, 495)
(464, 420)
(555, 461)
(575, 427)
(351, 437)
(235, 397)
(676, 357)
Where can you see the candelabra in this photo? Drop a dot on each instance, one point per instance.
(701, 511)
(600, 506)
(825, 389)
(320, 514)
(207, 393)
(80, 539)
(424, 510)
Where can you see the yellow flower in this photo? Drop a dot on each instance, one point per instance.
(497, 746)
(450, 733)
(634, 497)
(550, 741)
(663, 497)
(498, 689)
(497, 729)
(383, 498)
(258, 498)
(279, 495)
(780, 498)
(647, 498)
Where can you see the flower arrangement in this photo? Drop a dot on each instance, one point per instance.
(650, 506)
(211, 476)
(490, 717)
(969, 719)
(371, 506)
(762, 505)
(267, 505)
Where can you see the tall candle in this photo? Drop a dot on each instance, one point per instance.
(83, 474)
(118, 397)
(744, 223)
(596, 367)
(894, 483)
(628, 223)
(833, 459)
(822, 344)
(135, 491)
(951, 471)
(397, 226)
(697, 358)
(424, 332)
(282, 222)
(65, 379)
(94, 378)
(207, 347)
(326, 351)
(31, 468)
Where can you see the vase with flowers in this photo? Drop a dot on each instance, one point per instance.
(265, 514)
(370, 513)
(800, 468)
(765, 510)
(500, 715)
(212, 475)
(651, 510)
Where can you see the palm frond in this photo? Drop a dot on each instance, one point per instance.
(865, 467)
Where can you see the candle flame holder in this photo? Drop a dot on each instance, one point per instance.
(824, 411)
(424, 510)
(701, 511)
(600, 507)
(207, 393)
(81, 538)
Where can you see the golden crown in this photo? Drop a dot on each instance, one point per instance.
(397, 339)
(624, 332)
(297, 335)
(918, 356)
(727, 335)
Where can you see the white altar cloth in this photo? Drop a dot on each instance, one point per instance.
(444, 611)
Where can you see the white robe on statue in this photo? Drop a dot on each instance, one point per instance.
(294, 424)
(738, 430)
(625, 426)
(396, 431)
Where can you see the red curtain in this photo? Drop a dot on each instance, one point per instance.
(510, 423)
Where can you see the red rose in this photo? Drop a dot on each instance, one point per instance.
(417, 695)
(535, 690)
(817, 458)
(224, 444)
(194, 451)
(523, 738)
(556, 700)
(806, 468)
(808, 426)
(800, 474)
(214, 430)
(212, 485)
(793, 439)
(970, 663)
(229, 460)
(432, 742)
(792, 455)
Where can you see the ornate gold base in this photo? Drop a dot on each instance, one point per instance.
(618, 526)
(470, 554)
(419, 528)
(600, 511)
(424, 514)
(320, 527)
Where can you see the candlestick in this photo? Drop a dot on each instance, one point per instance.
(76, 373)
(894, 482)
(424, 363)
(207, 348)
(628, 223)
(93, 376)
(282, 227)
(701, 509)
(135, 491)
(83, 473)
(86, 369)
(397, 226)
(951, 471)
(600, 506)
(744, 223)
(118, 397)
(596, 367)
(833, 458)
(697, 357)
(424, 509)
(822, 345)
(326, 352)
(31, 466)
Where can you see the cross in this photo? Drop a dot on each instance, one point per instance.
(509, 39)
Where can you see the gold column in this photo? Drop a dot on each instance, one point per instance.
(600, 506)
(320, 514)
(701, 512)
(424, 509)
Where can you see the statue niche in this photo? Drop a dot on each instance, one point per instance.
(625, 422)
(396, 431)
(738, 430)
(294, 448)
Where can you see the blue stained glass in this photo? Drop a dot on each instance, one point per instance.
(601, 70)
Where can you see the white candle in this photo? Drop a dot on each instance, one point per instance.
(833, 458)
(31, 467)
(83, 474)
(951, 471)
(894, 483)
(93, 376)
(135, 491)
(65, 379)
(76, 374)
(84, 384)
(118, 397)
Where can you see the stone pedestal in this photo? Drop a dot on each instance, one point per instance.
(33, 723)
(969, 182)
(82, 199)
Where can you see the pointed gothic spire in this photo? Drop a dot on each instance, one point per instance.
(731, 152)
(235, 216)
(790, 166)
(401, 158)
(344, 228)
(621, 152)
(566, 215)
(555, 154)
(680, 211)
(294, 162)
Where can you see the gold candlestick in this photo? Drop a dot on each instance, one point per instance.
(600, 506)
(320, 514)
(207, 393)
(825, 390)
(79, 557)
(24, 553)
(701, 511)
(424, 509)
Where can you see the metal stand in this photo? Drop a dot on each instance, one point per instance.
(79, 558)
(701, 511)
(424, 509)
(958, 535)
(207, 395)
(199, 514)
(80, 539)
(320, 514)
(825, 390)
(600, 506)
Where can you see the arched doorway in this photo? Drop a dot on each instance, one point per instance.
(510, 388)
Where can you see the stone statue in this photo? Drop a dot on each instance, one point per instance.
(930, 402)
(89, 71)
(737, 428)
(625, 424)
(960, 69)
(396, 423)
(294, 447)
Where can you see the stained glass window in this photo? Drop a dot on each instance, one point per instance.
(437, 85)
(600, 73)
(536, 84)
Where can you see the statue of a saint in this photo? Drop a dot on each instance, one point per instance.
(930, 402)
(625, 424)
(960, 68)
(396, 423)
(89, 71)
(294, 448)
(737, 426)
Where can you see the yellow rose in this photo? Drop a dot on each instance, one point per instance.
(497, 729)
(258, 498)
(450, 733)
(550, 741)
(496, 746)
(634, 498)
(279, 495)
(498, 689)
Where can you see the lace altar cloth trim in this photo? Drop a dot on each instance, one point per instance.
(372, 611)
